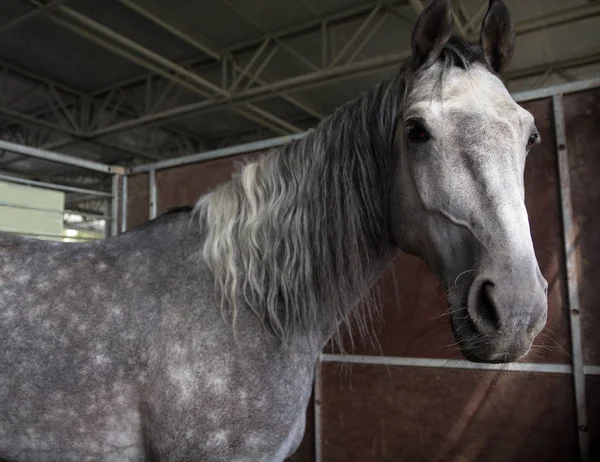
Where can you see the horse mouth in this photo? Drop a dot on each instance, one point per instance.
(477, 347)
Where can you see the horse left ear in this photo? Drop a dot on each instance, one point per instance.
(497, 36)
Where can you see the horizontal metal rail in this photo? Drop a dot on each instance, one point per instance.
(52, 186)
(57, 236)
(58, 158)
(217, 153)
(562, 89)
(548, 368)
(56, 211)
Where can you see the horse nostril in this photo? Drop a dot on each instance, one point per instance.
(484, 313)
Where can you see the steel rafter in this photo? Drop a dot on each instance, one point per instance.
(136, 53)
(247, 83)
(332, 74)
(68, 112)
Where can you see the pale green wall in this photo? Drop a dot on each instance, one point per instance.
(31, 221)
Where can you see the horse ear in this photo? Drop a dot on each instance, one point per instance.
(432, 31)
(497, 36)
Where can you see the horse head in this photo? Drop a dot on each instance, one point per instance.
(458, 199)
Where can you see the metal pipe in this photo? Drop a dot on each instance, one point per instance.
(447, 364)
(55, 211)
(317, 410)
(52, 186)
(570, 237)
(57, 236)
(114, 205)
(124, 201)
(562, 89)
(152, 194)
(55, 157)
(217, 153)
(591, 370)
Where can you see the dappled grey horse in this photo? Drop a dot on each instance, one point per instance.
(194, 337)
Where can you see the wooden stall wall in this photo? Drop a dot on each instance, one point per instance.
(582, 119)
(386, 413)
(379, 413)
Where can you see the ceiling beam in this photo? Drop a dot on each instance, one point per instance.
(329, 75)
(134, 52)
(70, 99)
(216, 55)
(46, 8)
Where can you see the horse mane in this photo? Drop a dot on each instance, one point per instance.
(291, 233)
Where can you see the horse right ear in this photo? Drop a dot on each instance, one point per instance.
(432, 31)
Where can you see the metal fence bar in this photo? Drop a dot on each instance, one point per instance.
(217, 153)
(124, 193)
(570, 236)
(56, 211)
(57, 236)
(547, 368)
(562, 89)
(114, 228)
(317, 410)
(57, 157)
(152, 194)
(52, 186)
(591, 370)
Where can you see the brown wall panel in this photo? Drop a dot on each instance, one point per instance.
(306, 451)
(414, 323)
(184, 185)
(137, 200)
(582, 116)
(375, 413)
(593, 410)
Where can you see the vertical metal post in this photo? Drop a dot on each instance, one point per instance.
(317, 410)
(572, 257)
(108, 213)
(124, 192)
(324, 44)
(224, 80)
(152, 193)
(114, 214)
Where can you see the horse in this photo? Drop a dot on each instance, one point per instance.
(194, 337)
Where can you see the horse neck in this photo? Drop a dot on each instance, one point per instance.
(300, 235)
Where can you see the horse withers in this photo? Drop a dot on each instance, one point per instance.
(194, 337)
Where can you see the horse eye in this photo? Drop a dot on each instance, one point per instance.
(416, 133)
(533, 139)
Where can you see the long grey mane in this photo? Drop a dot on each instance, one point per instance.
(291, 233)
